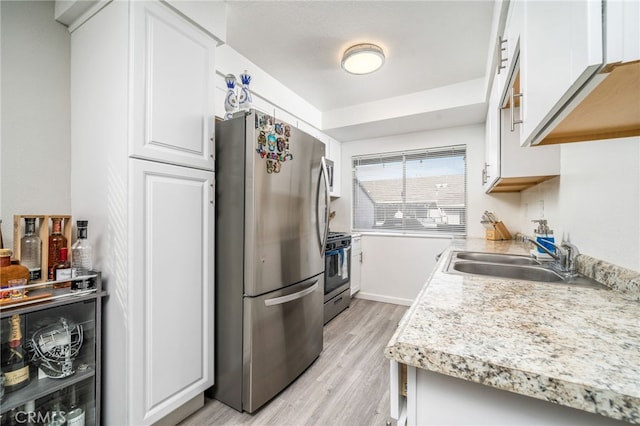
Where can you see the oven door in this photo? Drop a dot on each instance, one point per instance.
(337, 269)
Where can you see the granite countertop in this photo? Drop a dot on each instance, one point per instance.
(573, 346)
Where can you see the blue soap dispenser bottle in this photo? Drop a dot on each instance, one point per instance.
(544, 236)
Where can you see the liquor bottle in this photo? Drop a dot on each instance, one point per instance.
(63, 269)
(14, 358)
(75, 415)
(30, 249)
(56, 241)
(81, 253)
(56, 414)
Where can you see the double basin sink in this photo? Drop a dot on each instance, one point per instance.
(513, 266)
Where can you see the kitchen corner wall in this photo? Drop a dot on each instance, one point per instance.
(34, 143)
(595, 202)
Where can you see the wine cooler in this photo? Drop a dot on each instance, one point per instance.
(50, 362)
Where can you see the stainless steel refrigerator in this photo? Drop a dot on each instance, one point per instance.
(271, 227)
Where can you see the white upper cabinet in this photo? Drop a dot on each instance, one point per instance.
(173, 89)
(508, 41)
(333, 152)
(579, 77)
(510, 167)
(562, 48)
(491, 170)
(209, 15)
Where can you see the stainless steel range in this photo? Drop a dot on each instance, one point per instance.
(337, 267)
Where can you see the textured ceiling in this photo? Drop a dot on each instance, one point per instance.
(428, 44)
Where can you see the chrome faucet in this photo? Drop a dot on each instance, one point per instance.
(570, 261)
(544, 248)
(564, 254)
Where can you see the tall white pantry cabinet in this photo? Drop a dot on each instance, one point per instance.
(143, 174)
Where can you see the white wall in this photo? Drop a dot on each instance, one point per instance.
(35, 158)
(396, 267)
(267, 92)
(595, 202)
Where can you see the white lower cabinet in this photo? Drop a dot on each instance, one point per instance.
(437, 399)
(171, 318)
(356, 263)
(152, 219)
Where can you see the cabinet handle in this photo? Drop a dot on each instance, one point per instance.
(360, 257)
(501, 61)
(212, 193)
(512, 107)
(485, 174)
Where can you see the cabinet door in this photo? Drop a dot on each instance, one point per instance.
(173, 88)
(511, 38)
(561, 49)
(170, 315)
(491, 170)
(356, 264)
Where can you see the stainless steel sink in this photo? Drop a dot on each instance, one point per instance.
(514, 267)
(509, 259)
(518, 272)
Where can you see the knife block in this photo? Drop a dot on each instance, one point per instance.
(499, 232)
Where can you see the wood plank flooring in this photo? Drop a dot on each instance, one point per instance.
(347, 385)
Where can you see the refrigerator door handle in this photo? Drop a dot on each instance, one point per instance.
(325, 232)
(294, 296)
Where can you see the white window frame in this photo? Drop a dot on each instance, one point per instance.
(428, 217)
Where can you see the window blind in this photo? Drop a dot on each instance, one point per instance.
(420, 191)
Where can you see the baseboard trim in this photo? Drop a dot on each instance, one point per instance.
(381, 298)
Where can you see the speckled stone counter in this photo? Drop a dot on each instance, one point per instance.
(573, 346)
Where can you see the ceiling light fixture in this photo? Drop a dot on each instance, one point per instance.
(362, 59)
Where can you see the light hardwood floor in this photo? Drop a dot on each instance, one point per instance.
(347, 385)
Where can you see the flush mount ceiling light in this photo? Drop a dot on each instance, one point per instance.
(362, 59)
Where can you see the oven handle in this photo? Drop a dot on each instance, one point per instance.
(347, 249)
(294, 296)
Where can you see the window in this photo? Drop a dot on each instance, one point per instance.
(422, 191)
